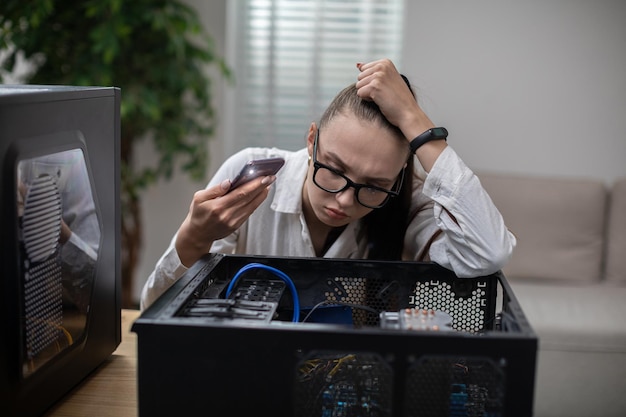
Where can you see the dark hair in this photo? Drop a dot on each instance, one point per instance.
(386, 226)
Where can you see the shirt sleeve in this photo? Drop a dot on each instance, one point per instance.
(169, 267)
(167, 271)
(455, 223)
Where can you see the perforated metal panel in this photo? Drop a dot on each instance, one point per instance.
(337, 384)
(466, 305)
(41, 228)
(41, 224)
(465, 301)
(455, 386)
(354, 290)
(44, 316)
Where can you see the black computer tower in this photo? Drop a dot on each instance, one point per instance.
(60, 248)
(247, 335)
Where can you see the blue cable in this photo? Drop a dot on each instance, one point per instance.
(280, 274)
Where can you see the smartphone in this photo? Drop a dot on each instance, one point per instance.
(257, 168)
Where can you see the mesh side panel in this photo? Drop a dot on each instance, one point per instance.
(343, 384)
(353, 291)
(41, 226)
(43, 308)
(445, 386)
(467, 310)
(465, 301)
(41, 222)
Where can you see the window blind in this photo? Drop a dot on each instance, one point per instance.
(291, 57)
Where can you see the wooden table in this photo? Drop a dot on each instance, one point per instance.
(111, 389)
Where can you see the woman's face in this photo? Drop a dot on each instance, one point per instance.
(362, 151)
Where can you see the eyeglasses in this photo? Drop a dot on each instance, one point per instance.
(332, 181)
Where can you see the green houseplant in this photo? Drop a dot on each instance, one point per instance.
(156, 52)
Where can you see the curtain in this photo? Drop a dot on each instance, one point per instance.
(290, 58)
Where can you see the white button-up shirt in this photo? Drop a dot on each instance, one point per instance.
(474, 242)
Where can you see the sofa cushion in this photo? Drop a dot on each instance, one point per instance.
(616, 234)
(558, 222)
(583, 318)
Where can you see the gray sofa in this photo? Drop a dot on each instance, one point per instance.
(569, 274)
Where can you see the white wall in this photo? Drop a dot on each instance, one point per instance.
(524, 87)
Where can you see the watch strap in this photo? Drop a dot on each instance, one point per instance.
(435, 133)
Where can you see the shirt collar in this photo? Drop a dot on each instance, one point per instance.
(289, 183)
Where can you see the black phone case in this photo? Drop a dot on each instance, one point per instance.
(257, 168)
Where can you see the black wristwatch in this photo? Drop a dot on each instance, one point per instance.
(431, 134)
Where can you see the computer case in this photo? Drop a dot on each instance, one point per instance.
(60, 248)
(282, 336)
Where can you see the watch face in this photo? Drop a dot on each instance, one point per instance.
(439, 132)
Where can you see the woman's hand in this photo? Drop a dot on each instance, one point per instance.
(381, 82)
(214, 213)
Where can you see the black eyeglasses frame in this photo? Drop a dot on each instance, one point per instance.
(349, 183)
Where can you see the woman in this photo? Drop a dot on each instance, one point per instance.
(374, 182)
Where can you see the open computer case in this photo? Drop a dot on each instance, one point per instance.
(282, 336)
(59, 256)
